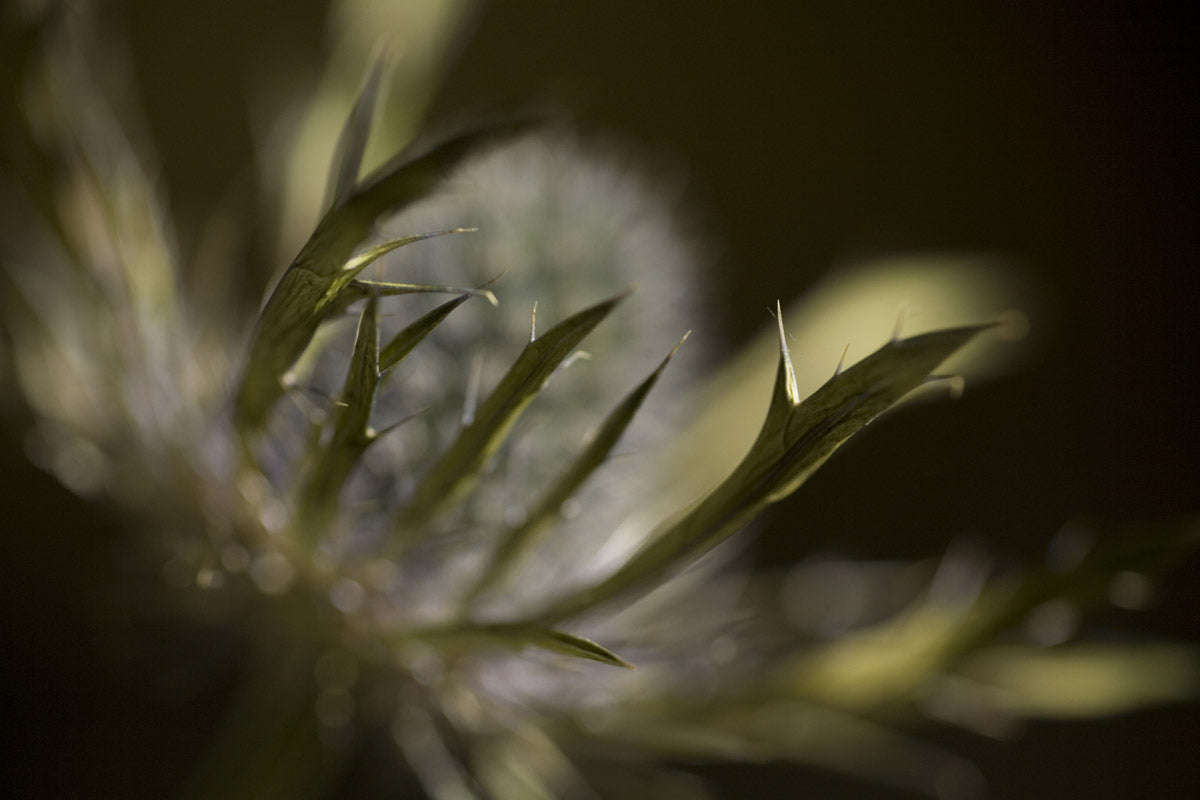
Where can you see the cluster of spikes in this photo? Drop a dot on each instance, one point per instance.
(826, 703)
(324, 281)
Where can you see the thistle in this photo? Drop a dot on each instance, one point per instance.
(382, 487)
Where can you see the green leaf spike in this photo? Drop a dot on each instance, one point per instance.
(312, 286)
(470, 637)
(516, 540)
(350, 432)
(461, 464)
(795, 439)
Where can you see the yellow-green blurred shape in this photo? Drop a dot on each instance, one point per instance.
(1085, 680)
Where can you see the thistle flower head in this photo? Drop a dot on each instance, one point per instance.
(457, 521)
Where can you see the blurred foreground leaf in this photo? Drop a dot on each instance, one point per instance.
(1085, 680)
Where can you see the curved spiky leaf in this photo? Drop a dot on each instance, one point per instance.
(300, 303)
(302, 300)
(392, 289)
(411, 335)
(393, 187)
(350, 289)
(516, 539)
(352, 143)
(405, 178)
(796, 438)
(359, 289)
(571, 645)
(319, 274)
(458, 467)
(349, 431)
(470, 637)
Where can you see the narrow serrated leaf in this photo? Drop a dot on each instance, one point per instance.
(393, 289)
(349, 289)
(350, 431)
(318, 275)
(359, 289)
(405, 179)
(356, 264)
(403, 342)
(517, 539)
(302, 300)
(470, 637)
(411, 335)
(795, 439)
(458, 467)
(352, 142)
(572, 645)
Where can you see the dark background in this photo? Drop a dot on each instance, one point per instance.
(1063, 136)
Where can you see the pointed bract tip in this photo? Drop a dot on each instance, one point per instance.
(898, 330)
(841, 361)
(616, 299)
(484, 290)
(446, 232)
(679, 344)
(785, 358)
(384, 56)
(663, 364)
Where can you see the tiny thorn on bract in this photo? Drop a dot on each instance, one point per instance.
(785, 359)
(901, 319)
(841, 361)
